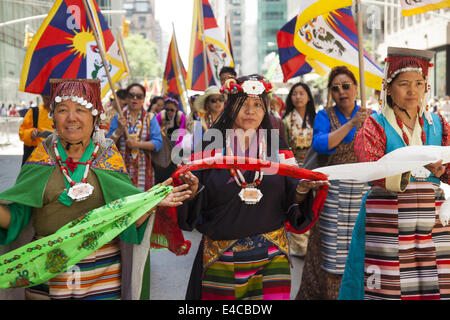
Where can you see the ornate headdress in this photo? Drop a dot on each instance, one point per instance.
(254, 86)
(401, 60)
(86, 92)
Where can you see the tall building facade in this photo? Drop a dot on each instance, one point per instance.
(235, 15)
(426, 31)
(272, 15)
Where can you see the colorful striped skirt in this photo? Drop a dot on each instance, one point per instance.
(261, 273)
(336, 222)
(407, 250)
(96, 277)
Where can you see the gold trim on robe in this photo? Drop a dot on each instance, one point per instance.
(212, 250)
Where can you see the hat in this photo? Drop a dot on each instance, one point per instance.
(199, 103)
(400, 60)
(403, 59)
(86, 92)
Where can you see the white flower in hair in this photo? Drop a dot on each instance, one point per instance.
(89, 105)
(102, 116)
(95, 112)
(253, 87)
(58, 99)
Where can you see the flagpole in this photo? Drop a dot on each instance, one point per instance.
(104, 61)
(182, 83)
(119, 36)
(362, 78)
(201, 26)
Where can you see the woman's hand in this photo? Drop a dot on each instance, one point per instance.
(176, 197)
(437, 169)
(360, 117)
(305, 185)
(191, 180)
(133, 144)
(122, 123)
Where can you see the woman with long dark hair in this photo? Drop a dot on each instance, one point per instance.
(244, 249)
(299, 123)
(299, 120)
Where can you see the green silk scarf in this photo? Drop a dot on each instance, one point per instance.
(43, 259)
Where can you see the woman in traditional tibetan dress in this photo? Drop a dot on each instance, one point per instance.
(144, 136)
(69, 174)
(299, 120)
(400, 249)
(244, 251)
(299, 123)
(335, 129)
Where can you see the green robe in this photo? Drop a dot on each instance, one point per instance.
(28, 192)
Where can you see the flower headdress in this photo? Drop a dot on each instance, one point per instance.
(170, 99)
(252, 87)
(401, 60)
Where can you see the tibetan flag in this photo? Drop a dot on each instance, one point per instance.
(411, 7)
(198, 61)
(326, 32)
(206, 37)
(174, 80)
(65, 47)
(293, 63)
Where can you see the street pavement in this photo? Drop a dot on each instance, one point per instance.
(169, 274)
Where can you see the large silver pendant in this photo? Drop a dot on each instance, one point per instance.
(80, 191)
(250, 195)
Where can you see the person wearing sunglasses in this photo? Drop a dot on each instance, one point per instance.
(171, 118)
(144, 134)
(334, 132)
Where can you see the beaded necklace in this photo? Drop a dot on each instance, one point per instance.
(249, 193)
(82, 190)
(404, 134)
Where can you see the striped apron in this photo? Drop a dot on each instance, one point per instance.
(337, 220)
(96, 277)
(407, 249)
(253, 269)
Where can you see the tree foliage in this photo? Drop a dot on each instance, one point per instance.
(142, 57)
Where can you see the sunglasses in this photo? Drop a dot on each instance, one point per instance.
(138, 96)
(216, 100)
(344, 86)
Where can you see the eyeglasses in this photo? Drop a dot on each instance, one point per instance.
(138, 96)
(344, 86)
(216, 100)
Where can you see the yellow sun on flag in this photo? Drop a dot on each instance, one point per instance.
(80, 41)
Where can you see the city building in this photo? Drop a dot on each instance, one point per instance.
(426, 31)
(141, 14)
(272, 15)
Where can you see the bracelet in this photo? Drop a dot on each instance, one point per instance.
(301, 193)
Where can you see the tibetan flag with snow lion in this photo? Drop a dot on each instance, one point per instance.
(412, 7)
(65, 47)
(326, 32)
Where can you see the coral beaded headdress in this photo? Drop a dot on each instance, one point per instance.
(86, 92)
(401, 60)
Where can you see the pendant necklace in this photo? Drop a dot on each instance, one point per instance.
(81, 190)
(249, 193)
